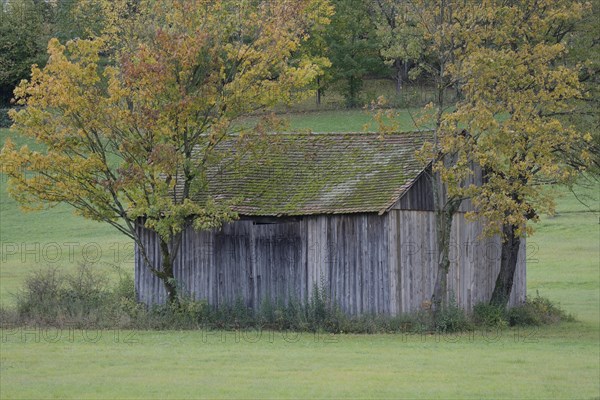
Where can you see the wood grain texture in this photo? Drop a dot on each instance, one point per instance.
(368, 263)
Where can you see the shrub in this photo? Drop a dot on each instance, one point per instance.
(52, 298)
(523, 315)
(9, 318)
(125, 287)
(5, 121)
(489, 316)
(537, 311)
(84, 297)
(451, 318)
(40, 297)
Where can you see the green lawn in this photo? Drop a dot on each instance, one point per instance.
(550, 364)
(564, 255)
(561, 362)
(346, 121)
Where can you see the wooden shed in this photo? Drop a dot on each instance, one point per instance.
(351, 213)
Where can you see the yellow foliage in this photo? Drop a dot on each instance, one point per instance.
(121, 114)
(505, 59)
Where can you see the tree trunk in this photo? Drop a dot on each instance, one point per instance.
(440, 290)
(167, 275)
(319, 91)
(399, 76)
(353, 83)
(446, 207)
(508, 266)
(444, 229)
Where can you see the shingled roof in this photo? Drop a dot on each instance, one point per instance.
(308, 174)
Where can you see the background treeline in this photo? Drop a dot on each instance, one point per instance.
(366, 40)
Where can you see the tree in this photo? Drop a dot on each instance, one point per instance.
(353, 50)
(435, 21)
(131, 142)
(515, 90)
(316, 48)
(583, 41)
(27, 25)
(402, 42)
(442, 46)
(22, 35)
(505, 58)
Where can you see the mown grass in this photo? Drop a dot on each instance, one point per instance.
(563, 260)
(346, 121)
(561, 362)
(412, 95)
(543, 365)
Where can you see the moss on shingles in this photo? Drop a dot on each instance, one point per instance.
(303, 174)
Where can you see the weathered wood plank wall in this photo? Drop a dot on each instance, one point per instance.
(420, 195)
(366, 262)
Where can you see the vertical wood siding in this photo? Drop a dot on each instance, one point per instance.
(368, 263)
(419, 196)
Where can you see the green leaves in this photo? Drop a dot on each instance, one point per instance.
(352, 47)
(21, 43)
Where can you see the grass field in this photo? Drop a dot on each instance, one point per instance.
(345, 121)
(558, 362)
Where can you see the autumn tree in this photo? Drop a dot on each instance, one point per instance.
(439, 45)
(515, 89)
(119, 137)
(505, 58)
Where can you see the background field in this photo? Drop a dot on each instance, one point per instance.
(551, 362)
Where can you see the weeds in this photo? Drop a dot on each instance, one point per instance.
(451, 318)
(54, 299)
(489, 316)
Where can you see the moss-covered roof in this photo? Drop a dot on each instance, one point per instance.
(307, 174)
